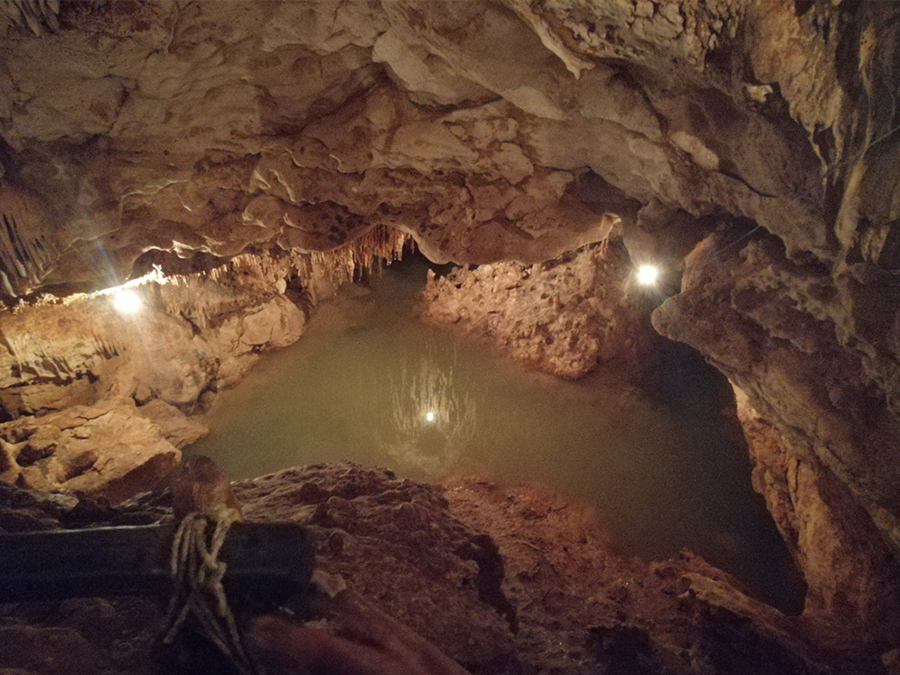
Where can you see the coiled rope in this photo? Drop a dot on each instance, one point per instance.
(197, 573)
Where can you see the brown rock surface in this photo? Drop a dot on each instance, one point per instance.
(779, 330)
(584, 609)
(191, 334)
(107, 449)
(454, 567)
(854, 583)
(563, 316)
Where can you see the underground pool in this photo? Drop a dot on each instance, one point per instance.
(661, 463)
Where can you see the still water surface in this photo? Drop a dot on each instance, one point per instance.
(370, 383)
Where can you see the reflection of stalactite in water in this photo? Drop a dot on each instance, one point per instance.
(432, 417)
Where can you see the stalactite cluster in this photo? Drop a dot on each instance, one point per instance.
(27, 248)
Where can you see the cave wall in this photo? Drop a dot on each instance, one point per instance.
(564, 316)
(100, 401)
(499, 130)
(826, 446)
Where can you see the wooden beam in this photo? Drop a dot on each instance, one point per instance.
(267, 562)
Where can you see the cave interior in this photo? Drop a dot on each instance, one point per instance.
(481, 336)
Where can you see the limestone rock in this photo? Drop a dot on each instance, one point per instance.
(563, 316)
(176, 427)
(779, 330)
(191, 334)
(106, 449)
(370, 107)
(853, 580)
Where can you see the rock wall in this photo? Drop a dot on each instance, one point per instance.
(99, 397)
(852, 577)
(815, 410)
(563, 316)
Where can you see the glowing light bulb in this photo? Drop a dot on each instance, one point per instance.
(127, 301)
(429, 416)
(647, 275)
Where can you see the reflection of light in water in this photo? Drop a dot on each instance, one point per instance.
(432, 417)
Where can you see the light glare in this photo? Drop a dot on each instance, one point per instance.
(429, 416)
(127, 301)
(647, 275)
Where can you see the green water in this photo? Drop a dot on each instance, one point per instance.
(368, 382)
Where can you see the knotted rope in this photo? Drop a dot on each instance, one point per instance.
(197, 573)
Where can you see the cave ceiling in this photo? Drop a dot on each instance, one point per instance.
(487, 130)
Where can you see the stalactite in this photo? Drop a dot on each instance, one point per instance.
(35, 15)
(204, 300)
(367, 252)
(26, 250)
(343, 264)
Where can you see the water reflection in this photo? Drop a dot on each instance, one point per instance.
(432, 418)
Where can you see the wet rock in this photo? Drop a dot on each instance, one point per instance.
(176, 427)
(394, 542)
(191, 334)
(622, 649)
(564, 316)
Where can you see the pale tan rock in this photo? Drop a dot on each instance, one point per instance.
(853, 585)
(278, 324)
(564, 316)
(176, 427)
(181, 342)
(106, 449)
(288, 67)
(428, 78)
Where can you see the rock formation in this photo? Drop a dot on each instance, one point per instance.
(476, 570)
(99, 398)
(563, 316)
(157, 132)
(773, 326)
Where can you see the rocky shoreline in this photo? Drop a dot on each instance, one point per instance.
(503, 580)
